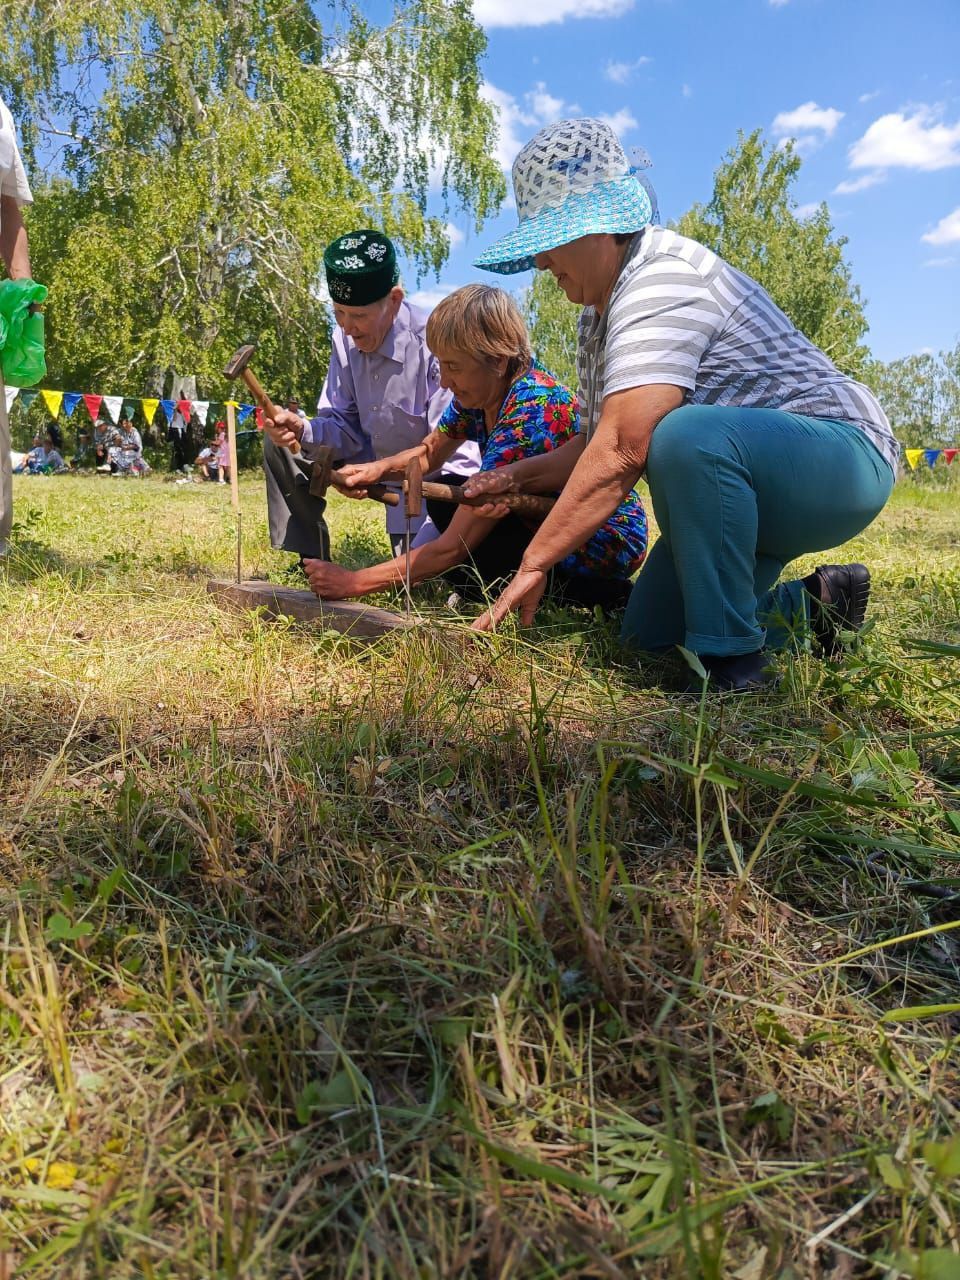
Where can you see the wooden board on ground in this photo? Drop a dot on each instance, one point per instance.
(350, 617)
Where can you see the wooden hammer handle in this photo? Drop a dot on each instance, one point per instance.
(525, 504)
(263, 400)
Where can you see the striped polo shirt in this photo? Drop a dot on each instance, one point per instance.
(678, 314)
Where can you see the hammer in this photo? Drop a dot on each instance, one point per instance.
(325, 473)
(238, 367)
(525, 504)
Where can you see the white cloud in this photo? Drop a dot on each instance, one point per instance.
(620, 72)
(869, 97)
(947, 230)
(940, 263)
(850, 186)
(807, 119)
(621, 121)
(778, 4)
(427, 299)
(919, 141)
(507, 13)
(804, 211)
(687, 91)
(520, 121)
(454, 235)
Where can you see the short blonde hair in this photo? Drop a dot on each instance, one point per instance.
(482, 321)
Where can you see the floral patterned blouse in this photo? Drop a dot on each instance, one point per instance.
(540, 414)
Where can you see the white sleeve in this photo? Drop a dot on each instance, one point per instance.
(13, 176)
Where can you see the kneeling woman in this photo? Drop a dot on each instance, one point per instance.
(513, 409)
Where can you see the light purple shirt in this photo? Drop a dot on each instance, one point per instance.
(375, 405)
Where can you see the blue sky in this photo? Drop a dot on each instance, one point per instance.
(870, 88)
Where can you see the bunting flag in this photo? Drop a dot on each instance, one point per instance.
(93, 405)
(259, 418)
(113, 404)
(913, 456)
(53, 401)
(949, 455)
(243, 412)
(930, 456)
(27, 398)
(186, 409)
(129, 409)
(200, 408)
(70, 401)
(149, 409)
(11, 396)
(168, 408)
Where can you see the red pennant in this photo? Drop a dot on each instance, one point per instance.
(950, 454)
(258, 414)
(186, 408)
(93, 404)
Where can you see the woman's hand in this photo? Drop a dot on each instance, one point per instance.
(493, 482)
(359, 475)
(522, 593)
(330, 581)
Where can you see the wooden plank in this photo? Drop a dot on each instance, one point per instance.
(351, 617)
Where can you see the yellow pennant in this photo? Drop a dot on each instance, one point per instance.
(913, 456)
(149, 409)
(53, 400)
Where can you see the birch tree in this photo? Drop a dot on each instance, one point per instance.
(205, 152)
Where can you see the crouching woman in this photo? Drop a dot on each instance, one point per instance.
(513, 409)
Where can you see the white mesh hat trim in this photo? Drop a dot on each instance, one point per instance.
(567, 158)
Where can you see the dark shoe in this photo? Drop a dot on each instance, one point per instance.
(841, 606)
(735, 673)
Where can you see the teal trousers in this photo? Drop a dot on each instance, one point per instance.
(738, 494)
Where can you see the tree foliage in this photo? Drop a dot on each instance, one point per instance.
(921, 396)
(752, 223)
(552, 322)
(208, 154)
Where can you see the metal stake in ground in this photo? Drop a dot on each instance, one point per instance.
(412, 507)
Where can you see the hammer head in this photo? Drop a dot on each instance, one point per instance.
(239, 360)
(320, 475)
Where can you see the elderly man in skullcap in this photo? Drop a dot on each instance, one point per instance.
(382, 395)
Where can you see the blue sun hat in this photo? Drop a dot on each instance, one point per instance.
(573, 179)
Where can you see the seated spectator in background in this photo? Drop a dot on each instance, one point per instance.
(125, 450)
(208, 461)
(101, 444)
(23, 462)
(45, 458)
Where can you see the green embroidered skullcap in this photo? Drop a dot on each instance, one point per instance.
(361, 268)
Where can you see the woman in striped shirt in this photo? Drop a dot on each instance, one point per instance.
(756, 448)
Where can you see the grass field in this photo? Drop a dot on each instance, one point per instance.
(445, 957)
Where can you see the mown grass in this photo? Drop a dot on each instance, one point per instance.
(454, 958)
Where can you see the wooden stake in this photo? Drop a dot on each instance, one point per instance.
(234, 478)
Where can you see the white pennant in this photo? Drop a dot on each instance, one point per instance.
(200, 408)
(114, 404)
(12, 393)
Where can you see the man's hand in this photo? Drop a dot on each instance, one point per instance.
(330, 581)
(523, 592)
(285, 429)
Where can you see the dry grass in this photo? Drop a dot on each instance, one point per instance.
(430, 959)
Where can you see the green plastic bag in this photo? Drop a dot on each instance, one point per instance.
(21, 333)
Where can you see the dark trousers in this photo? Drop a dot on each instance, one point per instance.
(498, 558)
(294, 514)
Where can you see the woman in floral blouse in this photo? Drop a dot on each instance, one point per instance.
(513, 409)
